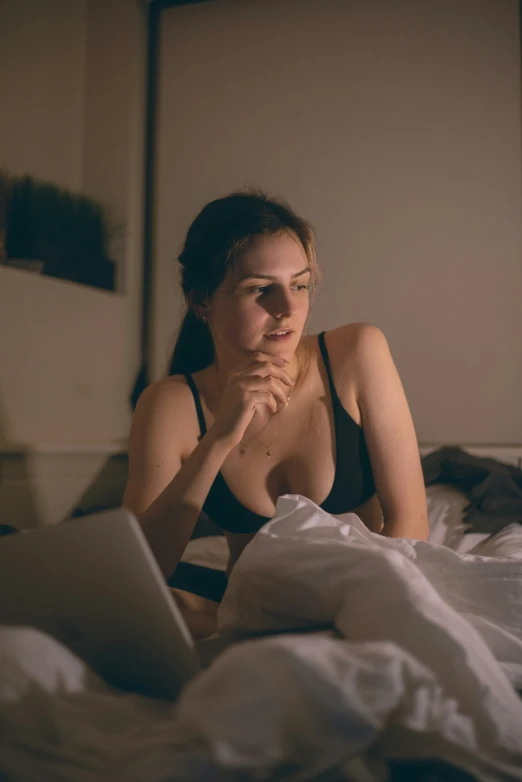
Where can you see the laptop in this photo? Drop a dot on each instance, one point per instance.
(94, 585)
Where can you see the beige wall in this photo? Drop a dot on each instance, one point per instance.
(395, 128)
(42, 58)
(111, 76)
(65, 360)
(69, 354)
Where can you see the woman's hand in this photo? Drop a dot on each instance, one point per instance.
(262, 380)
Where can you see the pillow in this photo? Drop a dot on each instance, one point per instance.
(211, 552)
(445, 511)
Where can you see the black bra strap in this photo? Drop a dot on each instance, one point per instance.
(199, 409)
(324, 353)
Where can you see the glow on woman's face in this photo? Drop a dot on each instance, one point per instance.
(268, 290)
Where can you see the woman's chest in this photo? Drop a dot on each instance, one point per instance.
(304, 461)
(293, 455)
(295, 450)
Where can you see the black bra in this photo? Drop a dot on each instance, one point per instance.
(353, 482)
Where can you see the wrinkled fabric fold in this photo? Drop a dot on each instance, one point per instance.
(423, 663)
(458, 616)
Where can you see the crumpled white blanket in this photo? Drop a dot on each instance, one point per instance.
(432, 648)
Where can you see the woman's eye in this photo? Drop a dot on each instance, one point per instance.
(263, 288)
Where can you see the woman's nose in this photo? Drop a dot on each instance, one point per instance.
(283, 305)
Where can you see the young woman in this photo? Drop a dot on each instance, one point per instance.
(254, 407)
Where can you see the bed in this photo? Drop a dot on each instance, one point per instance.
(415, 680)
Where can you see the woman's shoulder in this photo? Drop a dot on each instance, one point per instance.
(164, 406)
(351, 338)
(352, 346)
(163, 414)
(162, 392)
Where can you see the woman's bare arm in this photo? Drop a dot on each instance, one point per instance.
(166, 495)
(390, 436)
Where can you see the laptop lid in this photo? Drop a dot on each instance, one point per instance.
(94, 585)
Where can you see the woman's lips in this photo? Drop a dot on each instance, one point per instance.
(282, 338)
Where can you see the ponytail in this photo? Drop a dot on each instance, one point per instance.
(194, 349)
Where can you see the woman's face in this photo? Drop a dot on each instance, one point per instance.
(268, 292)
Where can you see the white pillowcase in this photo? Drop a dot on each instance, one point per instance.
(445, 510)
(207, 552)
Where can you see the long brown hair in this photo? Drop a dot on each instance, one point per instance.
(222, 230)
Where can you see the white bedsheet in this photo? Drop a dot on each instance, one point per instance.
(432, 639)
(445, 515)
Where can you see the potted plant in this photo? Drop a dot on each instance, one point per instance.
(62, 233)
